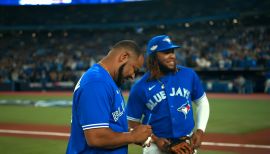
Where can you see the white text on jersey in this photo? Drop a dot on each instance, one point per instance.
(119, 112)
(183, 93)
(161, 95)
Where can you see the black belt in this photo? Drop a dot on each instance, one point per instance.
(177, 140)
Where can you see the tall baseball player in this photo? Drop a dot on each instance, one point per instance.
(99, 122)
(163, 99)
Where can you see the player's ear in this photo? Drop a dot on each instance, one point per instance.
(123, 58)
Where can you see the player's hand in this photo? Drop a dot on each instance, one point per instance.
(162, 143)
(181, 148)
(196, 139)
(141, 133)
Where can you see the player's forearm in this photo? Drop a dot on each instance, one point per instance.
(108, 139)
(117, 140)
(203, 111)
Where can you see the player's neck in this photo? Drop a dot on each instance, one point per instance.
(160, 75)
(164, 73)
(103, 64)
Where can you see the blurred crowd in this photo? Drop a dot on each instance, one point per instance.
(53, 56)
(227, 48)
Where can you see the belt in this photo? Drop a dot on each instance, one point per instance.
(177, 140)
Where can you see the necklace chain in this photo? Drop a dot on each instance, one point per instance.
(162, 84)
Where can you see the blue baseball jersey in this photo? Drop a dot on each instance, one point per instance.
(166, 104)
(97, 103)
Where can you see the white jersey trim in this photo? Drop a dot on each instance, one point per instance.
(95, 127)
(133, 119)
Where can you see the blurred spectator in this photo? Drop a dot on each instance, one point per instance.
(239, 84)
(203, 62)
(267, 83)
(267, 86)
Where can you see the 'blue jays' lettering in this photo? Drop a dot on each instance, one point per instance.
(159, 96)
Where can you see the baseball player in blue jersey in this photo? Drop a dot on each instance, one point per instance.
(99, 121)
(163, 99)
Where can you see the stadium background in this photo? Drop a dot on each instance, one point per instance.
(45, 49)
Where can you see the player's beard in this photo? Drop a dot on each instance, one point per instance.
(120, 77)
(165, 69)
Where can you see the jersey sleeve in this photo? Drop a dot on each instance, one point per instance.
(135, 105)
(94, 105)
(197, 89)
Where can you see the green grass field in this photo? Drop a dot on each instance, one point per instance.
(15, 145)
(227, 116)
(238, 116)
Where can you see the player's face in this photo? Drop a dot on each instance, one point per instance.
(129, 69)
(167, 61)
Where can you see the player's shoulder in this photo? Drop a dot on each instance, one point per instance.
(94, 75)
(140, 83)
(184, 69)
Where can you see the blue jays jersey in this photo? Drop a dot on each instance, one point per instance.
(97, 103)
(166, 103)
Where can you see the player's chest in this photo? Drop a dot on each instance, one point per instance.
(162, 89)
(174, 92)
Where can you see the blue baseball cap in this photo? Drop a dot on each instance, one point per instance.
(160, 43)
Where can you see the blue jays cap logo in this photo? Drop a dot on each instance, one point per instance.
(160, 43)
(167, 39)
(185, 108)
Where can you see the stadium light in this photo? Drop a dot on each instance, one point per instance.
(187, 25)
(49, 34)
(235, 21)
(162, 26)
(43, 2)
(65, 34)
(34, 35)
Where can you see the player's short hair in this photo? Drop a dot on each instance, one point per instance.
(130, 45)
